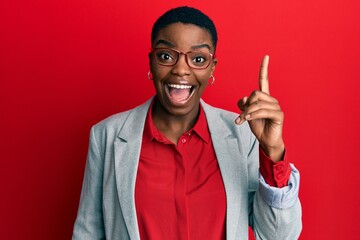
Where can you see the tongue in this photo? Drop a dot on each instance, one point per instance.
(179, 95)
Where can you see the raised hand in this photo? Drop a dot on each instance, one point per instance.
(264, 115)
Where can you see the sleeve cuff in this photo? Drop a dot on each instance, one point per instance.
(281, 198)
(276, 174)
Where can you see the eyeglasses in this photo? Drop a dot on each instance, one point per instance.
(194, 59)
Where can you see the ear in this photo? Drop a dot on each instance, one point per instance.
(150, 58)
(213, 65)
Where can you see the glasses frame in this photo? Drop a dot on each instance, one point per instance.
(152, 51)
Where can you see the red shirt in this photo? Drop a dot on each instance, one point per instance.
(179, 192)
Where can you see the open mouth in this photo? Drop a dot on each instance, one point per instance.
(179, 93)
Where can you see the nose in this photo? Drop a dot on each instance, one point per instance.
(181, 67)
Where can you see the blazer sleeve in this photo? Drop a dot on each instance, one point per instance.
(89, 223)
(276, 212)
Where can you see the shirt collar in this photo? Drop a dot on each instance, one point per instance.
(151, 132)
(201, 126)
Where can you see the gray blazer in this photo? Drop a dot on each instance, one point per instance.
(107, 205)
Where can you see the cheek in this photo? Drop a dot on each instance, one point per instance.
(203, 78)
(158, 71)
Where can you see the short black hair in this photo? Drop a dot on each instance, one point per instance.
(186, 15)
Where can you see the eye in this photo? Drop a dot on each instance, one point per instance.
(165, 56)
(199, 59)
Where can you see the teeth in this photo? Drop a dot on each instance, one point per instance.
(179, 86)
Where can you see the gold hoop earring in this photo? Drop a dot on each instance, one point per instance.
(149, 75)
(212, 80)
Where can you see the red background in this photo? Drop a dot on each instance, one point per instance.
(65, 65)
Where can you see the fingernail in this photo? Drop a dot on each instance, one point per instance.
(238, 120)
(247, 116)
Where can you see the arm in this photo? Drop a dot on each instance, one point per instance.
(276, 212)
(89, 222)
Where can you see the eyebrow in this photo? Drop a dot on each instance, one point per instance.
(201, 46)
(164, 42)
(169, 44)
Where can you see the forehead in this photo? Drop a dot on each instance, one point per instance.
(181, 35)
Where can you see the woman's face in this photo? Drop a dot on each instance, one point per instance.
(179, 87)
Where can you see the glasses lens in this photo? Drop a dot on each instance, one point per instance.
(198, 59)
(166, 56)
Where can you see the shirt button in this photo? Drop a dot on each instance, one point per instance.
(183, 140)
(279, 168)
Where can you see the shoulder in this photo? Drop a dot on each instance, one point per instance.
(222, 121)
(225, 116)
(115, 122)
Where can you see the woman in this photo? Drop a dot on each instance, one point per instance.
(177, 168)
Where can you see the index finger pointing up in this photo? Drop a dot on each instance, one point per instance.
(263, 75)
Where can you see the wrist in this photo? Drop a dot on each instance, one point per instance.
(275, 153)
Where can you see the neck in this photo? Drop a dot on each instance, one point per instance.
(173, 126)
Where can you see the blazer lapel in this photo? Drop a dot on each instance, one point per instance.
(127, 152)
(227, 151)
